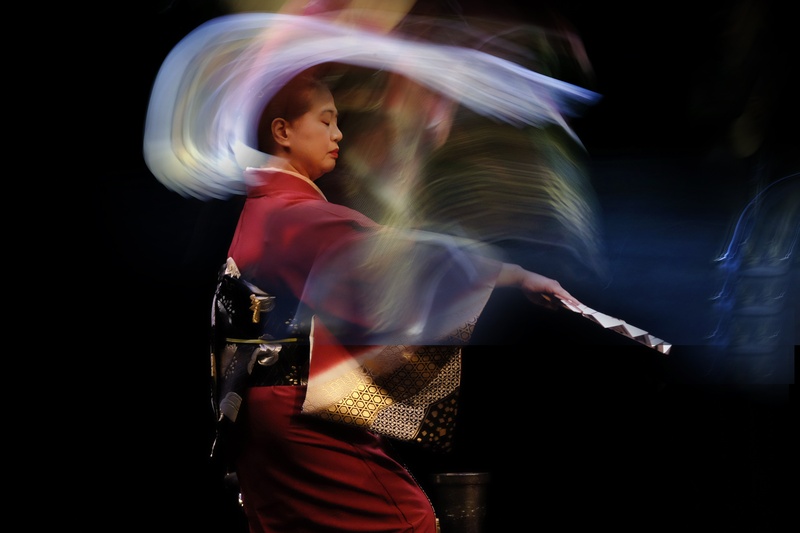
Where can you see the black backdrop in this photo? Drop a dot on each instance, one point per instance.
(576, 425)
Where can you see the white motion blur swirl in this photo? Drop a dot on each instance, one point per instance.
(201, 123)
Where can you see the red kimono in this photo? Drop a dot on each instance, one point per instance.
(378, 297)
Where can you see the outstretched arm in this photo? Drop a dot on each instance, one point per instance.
(532, 284)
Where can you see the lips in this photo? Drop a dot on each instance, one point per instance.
(334, 154)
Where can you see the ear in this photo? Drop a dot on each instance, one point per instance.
(440, 120)
(279, 133)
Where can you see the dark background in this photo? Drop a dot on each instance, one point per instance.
(577, 426)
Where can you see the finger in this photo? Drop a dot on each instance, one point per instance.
(568, 298)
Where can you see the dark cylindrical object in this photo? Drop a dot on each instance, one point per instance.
(460, 501)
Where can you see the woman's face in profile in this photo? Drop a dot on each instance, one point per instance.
(314, 137)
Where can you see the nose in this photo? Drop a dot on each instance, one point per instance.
(337, 134)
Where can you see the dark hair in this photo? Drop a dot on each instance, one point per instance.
(291, 101)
